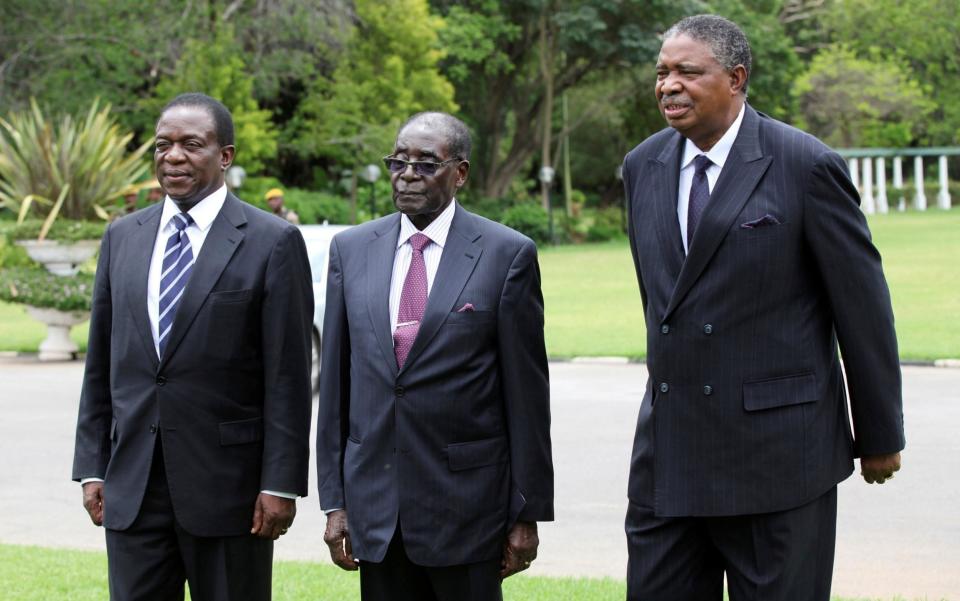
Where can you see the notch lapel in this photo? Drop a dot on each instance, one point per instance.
(138, 273)
(222, 241)
(380, 256)
(459, 258)
(740, 175)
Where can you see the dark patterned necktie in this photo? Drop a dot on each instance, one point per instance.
(699, 195)
(177, 265)
(413, 300)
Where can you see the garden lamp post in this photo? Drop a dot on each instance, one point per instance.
(370, 174)
(235, 176)
(546, 178)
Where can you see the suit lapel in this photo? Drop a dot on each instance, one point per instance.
(380, 255)
(459, 258)
(664, 193)
(222, 241)
(138, 272)
(740, 175)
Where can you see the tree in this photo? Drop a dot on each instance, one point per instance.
(507, 58)
(849, 101)
(217, 69)
(922, 35)
(387, 73)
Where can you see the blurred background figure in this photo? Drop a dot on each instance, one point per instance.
(274, 198)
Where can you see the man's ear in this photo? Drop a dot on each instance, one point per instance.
(738, 79)
(463, 171)
(226, 156)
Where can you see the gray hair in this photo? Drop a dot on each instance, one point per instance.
(726, 40)
(455, 132)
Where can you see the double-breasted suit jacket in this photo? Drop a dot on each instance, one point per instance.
(454, 446)
(745, 410)
(231, 396)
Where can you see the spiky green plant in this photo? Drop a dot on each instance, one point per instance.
(71, 168)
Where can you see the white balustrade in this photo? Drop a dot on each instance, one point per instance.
(882, 206)
(943, 198)
(920, 198)
(898, 183)
(866, 192)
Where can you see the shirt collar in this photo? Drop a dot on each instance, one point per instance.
(437, 230)
(203, 213)
(718, 154)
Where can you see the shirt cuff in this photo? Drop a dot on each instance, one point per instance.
(283, 495)
(329, 511)
(85, 480)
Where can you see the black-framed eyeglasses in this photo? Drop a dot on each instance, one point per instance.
(421, 168)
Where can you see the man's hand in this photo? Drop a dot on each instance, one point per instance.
(337, 537)
(93, 501)
(520, 549)
(272, 516)
(879, 468)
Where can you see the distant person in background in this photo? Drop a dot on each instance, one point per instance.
(754, 261)
(274, 198)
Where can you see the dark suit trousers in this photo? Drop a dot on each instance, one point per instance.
(396, 578)
(151, 560)
(780, 556)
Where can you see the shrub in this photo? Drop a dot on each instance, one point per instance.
(39, 288)
(317, 207)
(528, 219)
(71, 169)
(607, 225)
(65, 231)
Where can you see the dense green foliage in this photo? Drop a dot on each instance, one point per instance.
(318, 89)
(62, 230)
(66, 167)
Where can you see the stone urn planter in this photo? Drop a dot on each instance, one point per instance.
(60, 258)
(59, 302)
(58, 346)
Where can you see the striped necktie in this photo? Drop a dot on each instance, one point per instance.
(177, 265)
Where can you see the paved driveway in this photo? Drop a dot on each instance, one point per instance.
(899, 539)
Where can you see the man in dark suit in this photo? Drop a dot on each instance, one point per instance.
(754, 261)
(192, 437)
(433, 435)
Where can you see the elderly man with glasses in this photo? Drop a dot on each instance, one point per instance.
(433, 433)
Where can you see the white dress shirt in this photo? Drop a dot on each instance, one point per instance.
(437, 232)
(717, 155)
(203, 214)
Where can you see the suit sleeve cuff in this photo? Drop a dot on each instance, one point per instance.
(283, 495)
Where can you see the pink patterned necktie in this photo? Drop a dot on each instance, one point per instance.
(413, 300)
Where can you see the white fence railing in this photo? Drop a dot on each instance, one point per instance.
(868, 170)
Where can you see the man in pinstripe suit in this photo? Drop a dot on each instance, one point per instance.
(755, 264)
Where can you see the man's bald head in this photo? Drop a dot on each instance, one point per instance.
(454, 131)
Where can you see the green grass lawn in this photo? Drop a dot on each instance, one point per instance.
(35, 574)
(593, 304)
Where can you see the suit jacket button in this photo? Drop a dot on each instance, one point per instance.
(161, 380)
(399, 391)
(708, 390)
(664, 387)
(664, 329)
(708, 329)
(153, 428)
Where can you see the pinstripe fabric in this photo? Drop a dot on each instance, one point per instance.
(746, 410)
